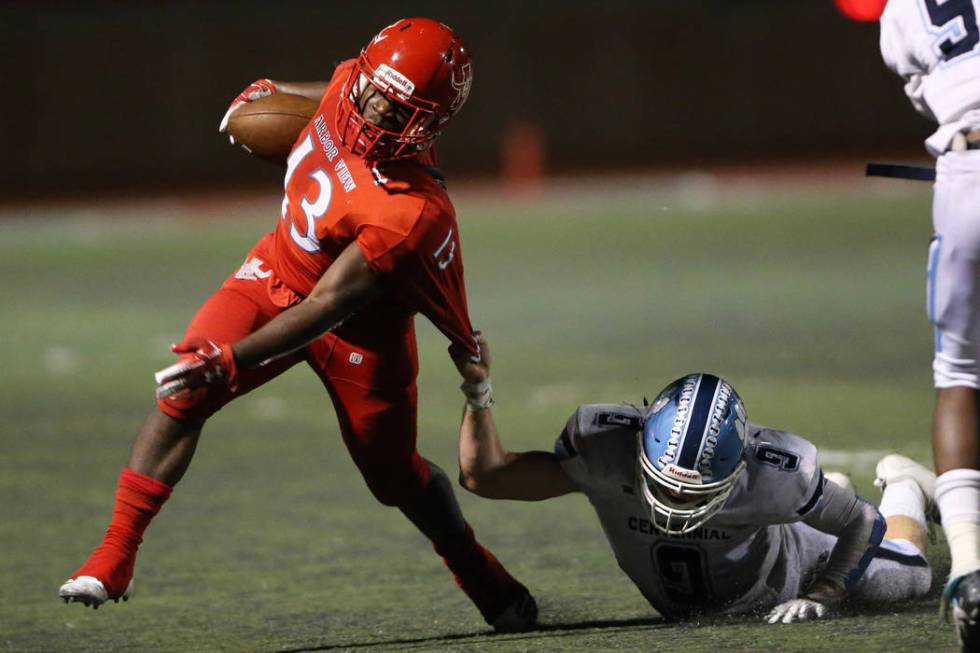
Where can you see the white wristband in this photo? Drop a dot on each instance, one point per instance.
(479, 396)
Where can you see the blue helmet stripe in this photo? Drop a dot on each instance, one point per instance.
(698, 422)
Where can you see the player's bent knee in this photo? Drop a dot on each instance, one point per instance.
(404, 486)
(898, 572)
(389, 493)
(396, 489)
(437, 479)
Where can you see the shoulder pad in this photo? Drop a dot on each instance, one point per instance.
(782, 480)
(779, 449)
(590, 421)
(597, 448)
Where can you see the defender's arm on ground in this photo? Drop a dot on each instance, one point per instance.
(859, 528)
(487, 468)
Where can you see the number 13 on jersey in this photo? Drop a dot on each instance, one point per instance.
(312, 210)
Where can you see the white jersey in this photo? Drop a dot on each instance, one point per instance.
(935, 46)
(744, 557)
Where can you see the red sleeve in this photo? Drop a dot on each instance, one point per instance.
(425, 269)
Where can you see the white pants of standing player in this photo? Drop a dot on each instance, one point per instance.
(953, 289)
(953, 302)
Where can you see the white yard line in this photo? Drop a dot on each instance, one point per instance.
(61, 360)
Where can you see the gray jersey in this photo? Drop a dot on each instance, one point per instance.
(744, 557)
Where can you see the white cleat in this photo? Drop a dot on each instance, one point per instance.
(896, 467)
(90, 591)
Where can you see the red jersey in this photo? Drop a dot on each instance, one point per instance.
(398, 214)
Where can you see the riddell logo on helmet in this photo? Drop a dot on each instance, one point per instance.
(387, 76)
(681, 473)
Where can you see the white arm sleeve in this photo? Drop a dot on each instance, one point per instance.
(859, 528)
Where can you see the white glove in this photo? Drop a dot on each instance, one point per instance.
(797, 610)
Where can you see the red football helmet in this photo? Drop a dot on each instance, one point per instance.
(422, 71)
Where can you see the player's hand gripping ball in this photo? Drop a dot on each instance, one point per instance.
(260, 88)
(268, 127)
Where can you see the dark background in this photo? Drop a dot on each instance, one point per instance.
(126, 96)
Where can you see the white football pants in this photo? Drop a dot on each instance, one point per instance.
(953, 286)
(897, 572)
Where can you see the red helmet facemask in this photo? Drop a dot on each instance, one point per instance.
(404, 88)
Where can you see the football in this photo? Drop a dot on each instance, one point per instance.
(268, 127)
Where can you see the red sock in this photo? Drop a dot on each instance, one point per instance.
(138, 499)
(480, 575)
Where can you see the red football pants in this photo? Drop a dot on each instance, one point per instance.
(370, 378)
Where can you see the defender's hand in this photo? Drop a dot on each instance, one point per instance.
(201, 362)
(821, 598)
(800, 609)
(257, 89)
(473, 368)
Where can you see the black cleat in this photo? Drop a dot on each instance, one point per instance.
(961, 599)
(520, 616)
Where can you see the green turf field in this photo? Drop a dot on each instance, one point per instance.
(810, 301)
